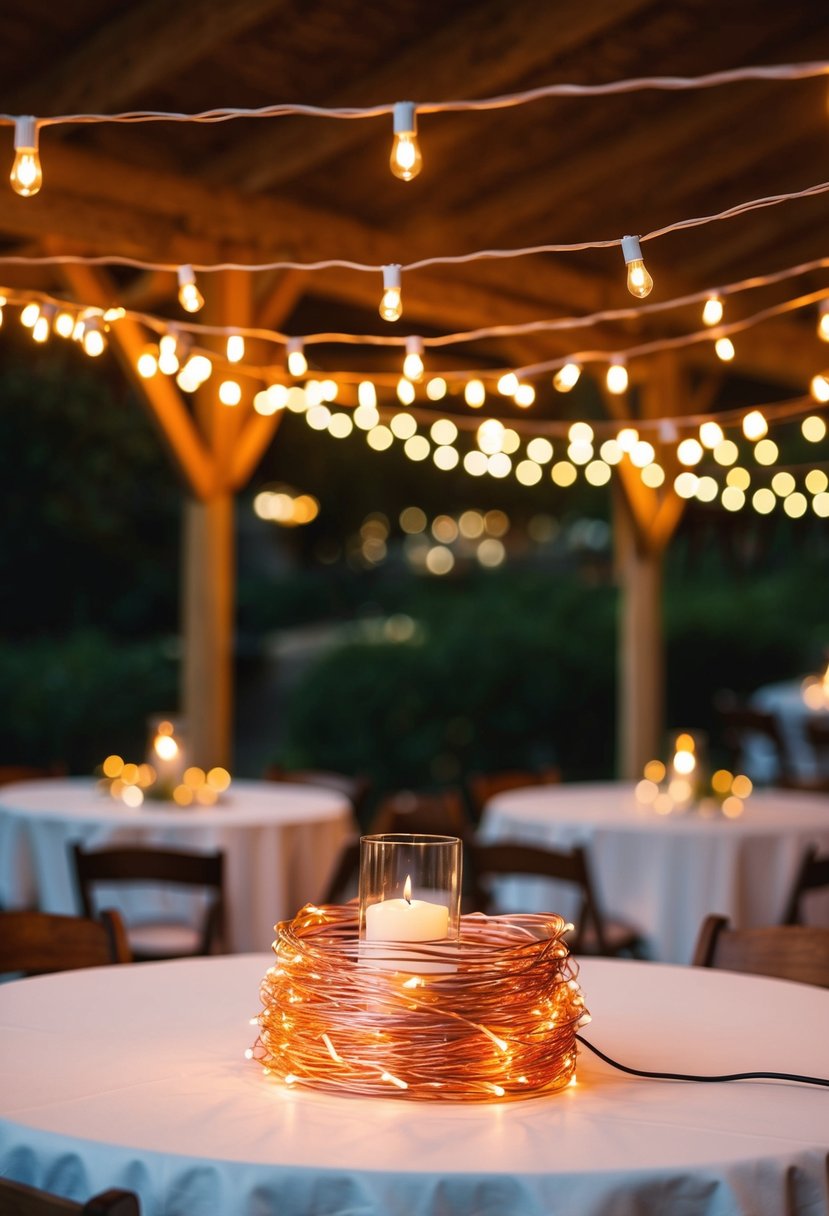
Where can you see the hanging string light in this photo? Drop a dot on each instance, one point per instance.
(391, 303)
(413, 363)
(617, 378)
(297, 363)
(724, 349)
(639, 282)
(405, 160)
(566, 377)
(712, 311)
(26, 176)
(235, 348)
(189, 296)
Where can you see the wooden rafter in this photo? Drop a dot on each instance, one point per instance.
(140, 46)
(486, 48)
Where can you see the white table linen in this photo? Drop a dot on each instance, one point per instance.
(280, 840)
(136, 1077)
(666, 873)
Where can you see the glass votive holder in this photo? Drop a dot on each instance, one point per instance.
(410, 891)
(166, 752)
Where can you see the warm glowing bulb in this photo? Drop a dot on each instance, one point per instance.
(41, 327)
(189, 296)
(168, 361)
(26, 176)
(93, 340)
(640, 283)
(230, 392)
(724, 349)
(147, 364)
(29, 315)
(818, 386)
(566, 377)
(413, 363)
(235, 348)
(617, 378)
(64, 324)
(754, 425)
(405, 160)
(712, 311)
(391, 304)
(297, 363)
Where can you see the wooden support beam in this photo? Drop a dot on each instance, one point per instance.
(279, 294)
(137, 47)
(159, 394)
(207, 621)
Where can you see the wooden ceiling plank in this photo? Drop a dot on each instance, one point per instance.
(486, 48)
(138, 48)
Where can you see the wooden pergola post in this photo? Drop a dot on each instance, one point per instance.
(214, 449)
(644, 522)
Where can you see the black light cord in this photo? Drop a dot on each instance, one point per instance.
(686, 1076)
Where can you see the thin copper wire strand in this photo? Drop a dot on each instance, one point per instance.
(500, 1025)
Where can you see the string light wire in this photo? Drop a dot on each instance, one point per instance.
(768, 72)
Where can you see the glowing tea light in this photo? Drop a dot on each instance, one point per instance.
(407, 919)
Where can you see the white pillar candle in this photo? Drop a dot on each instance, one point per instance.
(406, 920)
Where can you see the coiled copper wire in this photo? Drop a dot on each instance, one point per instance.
(499, 1024)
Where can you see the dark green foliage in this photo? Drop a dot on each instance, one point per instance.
(72, 701)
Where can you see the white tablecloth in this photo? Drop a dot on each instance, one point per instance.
(135, 1077)
(665, 874)
(280, 841)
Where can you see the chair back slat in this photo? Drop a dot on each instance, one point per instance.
(35, 943)
(785, 952)
(155, 866)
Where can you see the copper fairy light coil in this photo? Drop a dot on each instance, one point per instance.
(497, 1022)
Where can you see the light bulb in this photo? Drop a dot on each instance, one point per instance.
(823, 321)
(147, 363)
(41, 327)
(168, 361)
(29, 315)
(617, 378)
(297, 363)
(405, 160)
(189, 296)
(566, 377)
(413, 363)
(235, 348)
(391, 305)
(26, 176)
(755, 425)
(64, 323)
(724, 349)
(93, 340)
(640, 283)
(712, 311)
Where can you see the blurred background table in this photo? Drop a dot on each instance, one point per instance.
(281, 841)
(140, 1081)
(666, 873)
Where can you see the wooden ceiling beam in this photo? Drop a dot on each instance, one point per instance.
(91, 201)
(139, 48)
(486, 47)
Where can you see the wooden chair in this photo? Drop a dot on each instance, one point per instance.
(133, 866)
(481, 787)
(594, 933)
(442, 813)
(817, 732)
(28, 772)
(33, 943)
(812, 875)
(737, 722)
(16, 1199)
(356, 789)
(784, 952)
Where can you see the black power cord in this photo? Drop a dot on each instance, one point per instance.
(686, 1076)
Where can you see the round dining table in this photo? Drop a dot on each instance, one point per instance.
(280, 840)
(135, 1076)
(666, 873)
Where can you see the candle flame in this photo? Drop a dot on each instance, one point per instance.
(407, 889)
